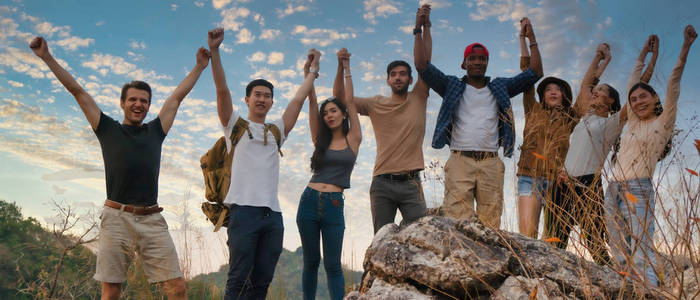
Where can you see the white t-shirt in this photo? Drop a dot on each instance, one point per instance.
(256, 167)
(476, 121)
(590, 143)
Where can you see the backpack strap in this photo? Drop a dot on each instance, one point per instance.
(275, 133)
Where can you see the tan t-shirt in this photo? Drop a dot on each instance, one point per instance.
(399, 128)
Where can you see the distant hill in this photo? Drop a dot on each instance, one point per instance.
(285, 285)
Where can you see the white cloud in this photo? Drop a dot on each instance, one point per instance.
(369, 76)
(15, 83)
(23, 62)
(232, 16)
(275, 58)
(226, 48)
(173, 7)
(379, 8)
(319, 36)
(287, 73)
(244, 37)
(117, 65)
(259, 18)
(394, 42)
(100, 23)
(291, 9)
(406, 29)
(74, 42)
(47, 29)
(366, 65)
(137, 45)
(199, 4)
(269, 34)
(256, 57)
(218, 4)
(436, 3)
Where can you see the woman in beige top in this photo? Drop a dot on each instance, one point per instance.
(629, 200)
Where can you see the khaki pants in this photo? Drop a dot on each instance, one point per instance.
(468, 180)
(122, 234)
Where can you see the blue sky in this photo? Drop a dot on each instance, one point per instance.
(47, 150)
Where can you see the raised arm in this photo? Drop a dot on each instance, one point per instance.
(529, 100)
(167, 113)
(85, 101)
(590, 79)
(654, 45)
(535, 59)
(423, 22)
(224, 107)
(291, 113)
(355, 134)
(673, 89)
(314, 115)
(635, 78)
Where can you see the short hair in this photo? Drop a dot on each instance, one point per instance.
(398, 63)
(259, 82)
(137, 84)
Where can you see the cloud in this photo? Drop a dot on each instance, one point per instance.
(256, 57)
(199, 4)
(218, 4)
(15, 83)
(269, 34)
(393, 42)
(319, 36)
(436, 3)
(100, 23)
(244, 37)
(104, 63)
(379, 8)
(23, 62)
(137, 45)
(275, 58)
(291, 9)
(406, 29)
(366, 65)
(173, 7)
(47, 29)
(231, 18)
(73, 43)
(58, 190)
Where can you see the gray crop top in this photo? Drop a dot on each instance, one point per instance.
(336, 167)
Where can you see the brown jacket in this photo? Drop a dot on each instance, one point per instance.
(545, 137)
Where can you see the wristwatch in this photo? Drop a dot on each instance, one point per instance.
(314, 71)
(417, 30)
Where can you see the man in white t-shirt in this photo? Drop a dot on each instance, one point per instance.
(255, 229)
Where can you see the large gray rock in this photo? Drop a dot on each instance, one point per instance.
(445, 258)
(383, 290)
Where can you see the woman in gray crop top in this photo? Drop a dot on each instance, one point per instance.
(336, 134)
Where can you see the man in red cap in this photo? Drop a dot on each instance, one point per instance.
(475, 119)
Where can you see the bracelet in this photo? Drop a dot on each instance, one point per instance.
(417, 30)
(533, 44)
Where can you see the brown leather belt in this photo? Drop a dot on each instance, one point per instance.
(401, 177)
(137, 210)
(477, 155)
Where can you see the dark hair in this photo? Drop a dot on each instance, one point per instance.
(612, 93)
(324, 134)
(259, 82)
(658, 110)
(137, 84)
(398, 63)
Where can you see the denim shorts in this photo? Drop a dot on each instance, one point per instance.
(527, 184)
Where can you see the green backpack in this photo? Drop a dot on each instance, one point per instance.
(216, 168)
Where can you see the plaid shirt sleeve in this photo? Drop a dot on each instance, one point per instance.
(519, 83)
(435, 79)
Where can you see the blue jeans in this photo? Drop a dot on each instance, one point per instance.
(528, 185)
(255, 244)
(321, 214)
(631, 225)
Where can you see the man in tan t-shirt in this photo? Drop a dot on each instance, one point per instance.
(399, 127)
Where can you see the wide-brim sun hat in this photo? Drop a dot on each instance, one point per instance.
(566, 101)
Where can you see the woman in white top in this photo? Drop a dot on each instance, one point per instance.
(629, 200)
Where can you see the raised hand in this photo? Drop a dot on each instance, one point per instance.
(419, 18)
(689, 35)
(426, 14)
(39, 46)
(202, 57)
(316, 57)
(529, 32)
(344, 57)
(651, 43)
(603, 50)
(215, 37)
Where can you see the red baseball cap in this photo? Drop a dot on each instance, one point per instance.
(470, 49)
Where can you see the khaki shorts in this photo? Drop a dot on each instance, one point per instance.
(122, 234)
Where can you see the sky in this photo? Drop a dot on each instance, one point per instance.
(48, 151)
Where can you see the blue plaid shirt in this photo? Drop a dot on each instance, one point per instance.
(451, 88)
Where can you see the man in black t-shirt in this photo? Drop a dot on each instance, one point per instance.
(131, 220)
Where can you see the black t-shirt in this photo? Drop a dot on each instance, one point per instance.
(132, 160)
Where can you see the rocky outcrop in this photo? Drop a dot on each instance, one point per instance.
(443, 258)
